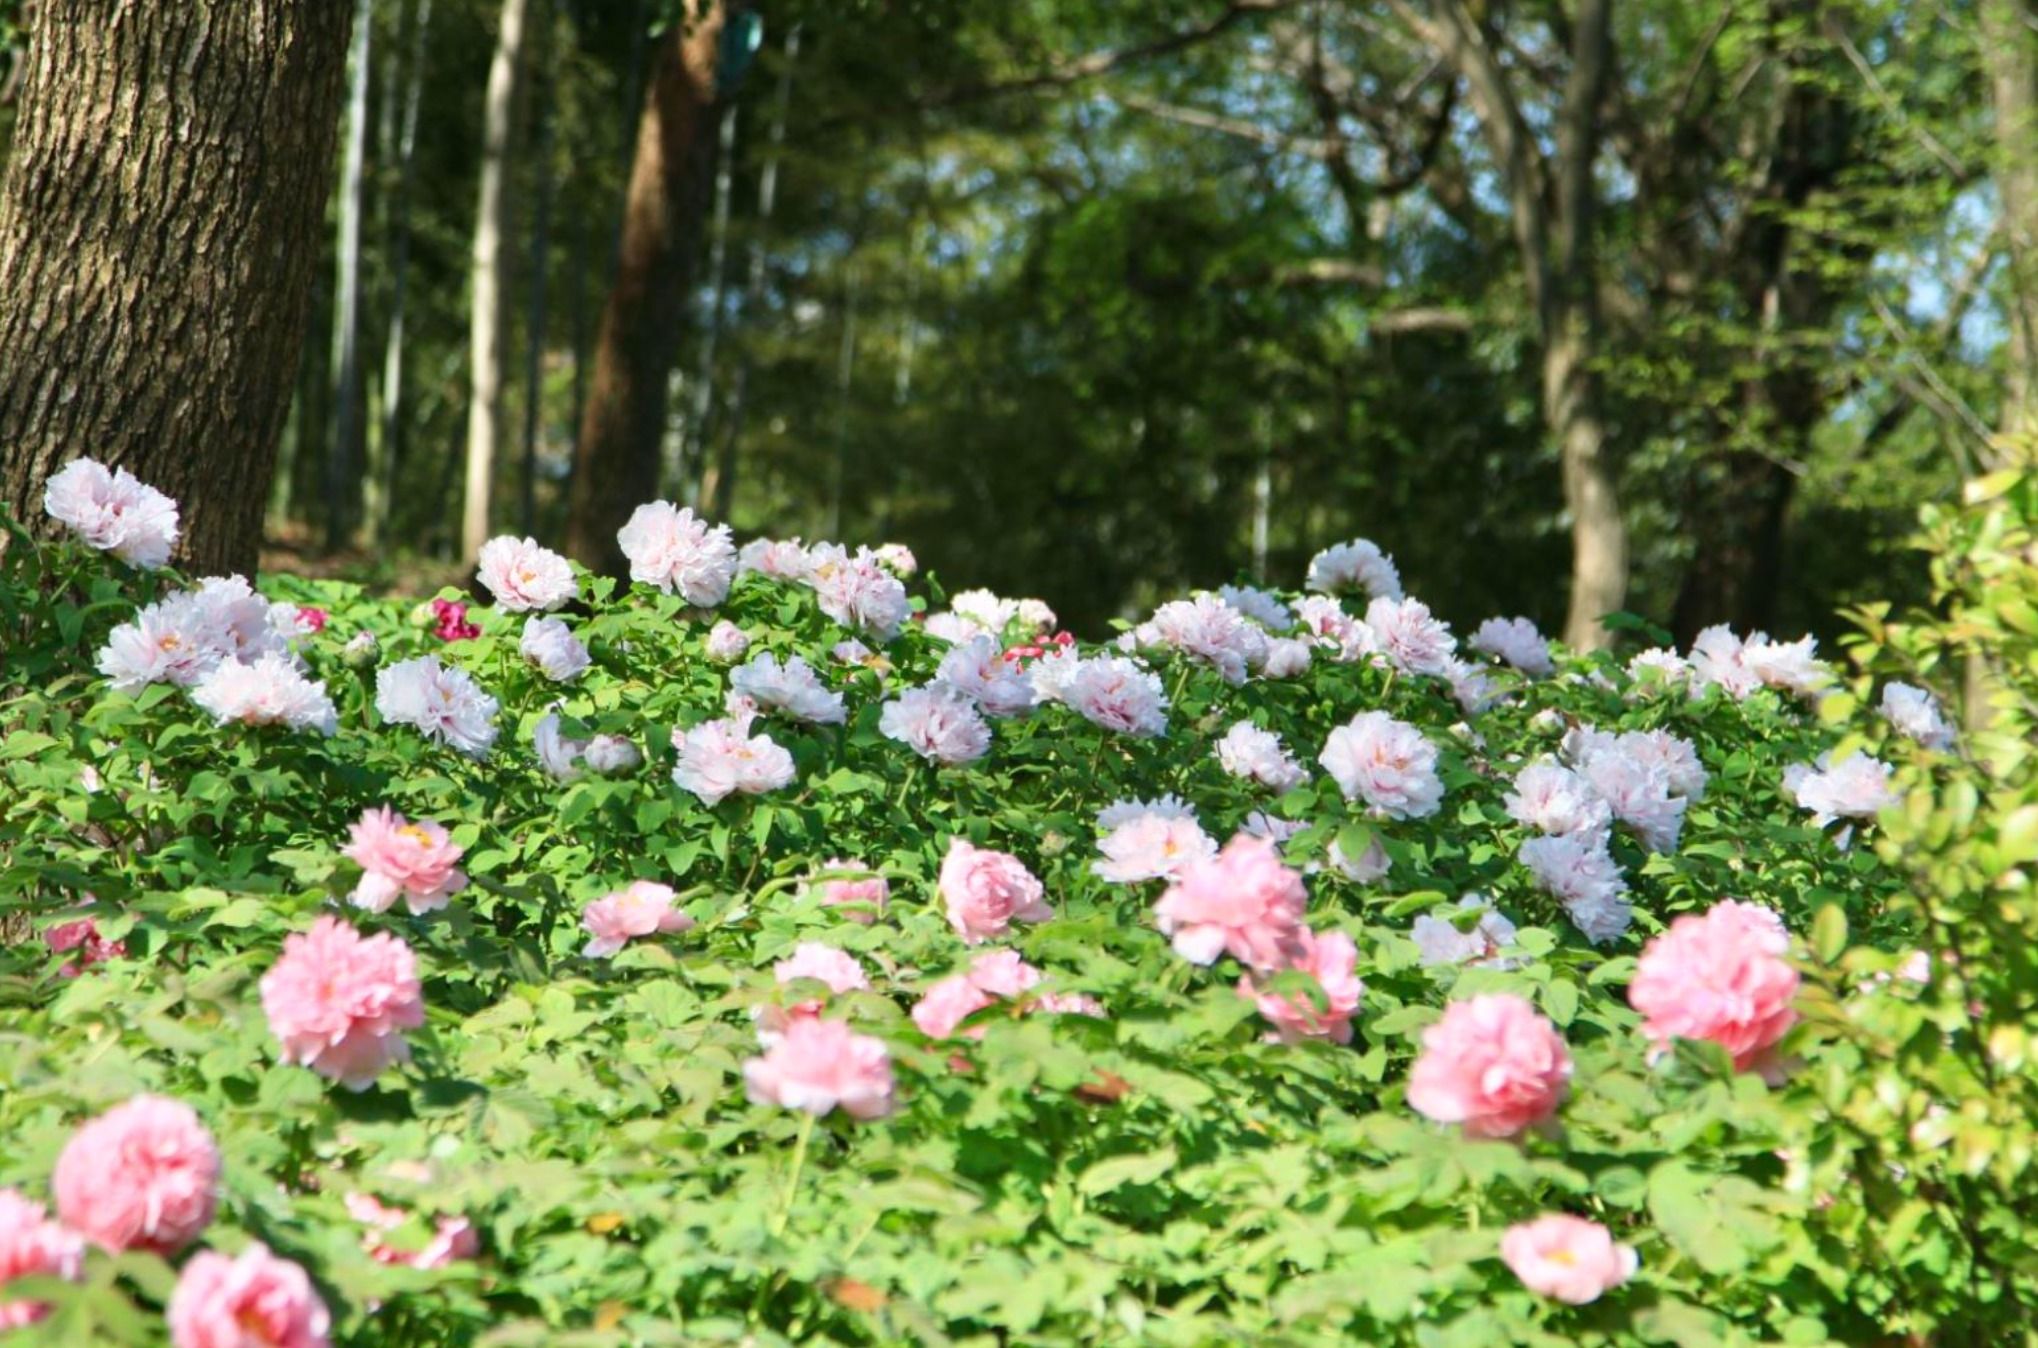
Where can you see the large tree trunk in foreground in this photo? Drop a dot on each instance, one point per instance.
(616, 461)
(487, 318)
(158, 233)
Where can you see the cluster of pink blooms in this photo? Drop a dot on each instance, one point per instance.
(441, 701)
(525, 577)
(1355, 567)
(857, 590)
(339, 1002)
(1493, 1065)
(791, 688)
(450, 621)
(672, 549)
(992, 977)
(641, 908)
(413, 861)
(721, 758)
(1566, 1258)
(978, 669)
(1738, 667)
(550, 645)
(1386, 763)
(188, 637)
(937, 723)
(986, 891)
(1723, 976)
(113, 511)
(1255, 755)
(1150, 840)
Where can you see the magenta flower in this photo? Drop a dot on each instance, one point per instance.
(451, 621)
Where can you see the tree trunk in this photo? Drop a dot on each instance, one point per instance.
(158, 237)
(541, 274)
(617, 459)
(377, 488)
(1599, 537)
(487, 319)
(343, 456)
(2009, 31)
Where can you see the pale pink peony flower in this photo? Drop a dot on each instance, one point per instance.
(452, 1237)
(937, 723)
(1516, 641)
(1211, 631)
(1637, 790)
(611, 756)
(1655, 669)
(1411, 640)
(1677, 757)
(1583, 876)
(32, 1246)
(721, 758)
(1855, 788)
(1050, 674)
(1286, 658)
(400, 859)
(823, 963)
(1551, 798)
(955, 629)
(113, 511)
(1442, 940)
(792, 688)
(781, 559)
(641, 908)
(727, 643)
(1492, 1064)
(1368, 867)
(678, 552)
(339, 1002)
(1719, 657)
(987, 610)
(862, 900)
(550, 644)
(947, 1003)
(898, 559)
(1116, 694)
(268, 692)
(1387, 763)
(1790, 667)
(441, 701)
(166, 642)
(1152, 846)
(1120, 812)
(1242, 901)
(820, 1066)
(560, 756)
(142, 1176)
(254, 1300)
(979, 671)
(1331, 628)
(1473, 687)
(1262, 606)
(1332, 960)
(1915, 712)
(524, 576)
(1721, 976)
(1255, 755)
(857, 591)
(1355, 566)
(987, 891)
(1566, 1258)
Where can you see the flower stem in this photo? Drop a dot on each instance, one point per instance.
(792, 1184)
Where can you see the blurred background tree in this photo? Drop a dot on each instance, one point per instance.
(1096, 301)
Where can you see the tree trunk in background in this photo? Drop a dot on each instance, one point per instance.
(487, 319)
(541, 274)
(343, 456)
(158, 236)
(2009, 30)
(617, 459)
(1599, 537)
(378, 483)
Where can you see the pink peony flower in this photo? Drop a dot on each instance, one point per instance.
(33, 1246)
(1355, 566)
(1855, 788)
(679, 553)
(1583, 876)
(823, 963)
(142, 1176)
(1516, 641)
(898, 558)
(252, 1301)
(339, 1002)
(1722, 976)
(1718, 657)
(820, 1066)
(1208, 630)
(1243, 901)
(401, 859)
(1152, 845)
(525, 577)
(987, 891)
(781, 559)
(1788, 666)
(1255, 755)
(550, 644)
(440, 701)
(1637, 790)
(937, 723)
(792, 688)
(450, 621)
(1332, 961)
(980, 671)
(857, 591)
(721, 758)
(1493, 1064)
(1385, 762)
(942, 1009)
(310, 620)
(863, 900)
(726, 643)
(1568, 1258)
(268, 692)
(1411, 640)
(1114, 693)
(113, 511)
(1913, 711)
(452, 1237)
(1287, 658)
(1262, 606)
(1440, 940)
(1551, 798)
(642, 908)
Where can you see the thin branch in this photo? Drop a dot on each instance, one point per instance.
(1308, 147)
(1961, 172)
(1944, 391)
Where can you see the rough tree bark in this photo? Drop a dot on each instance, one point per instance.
(616, 462)
(487, 318)
(2009, 31)
(158, 235)
(344, 456)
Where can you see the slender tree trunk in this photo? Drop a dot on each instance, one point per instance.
(487, 319)
(343, 455)
(2009, 31)
(617, 459)
(701, 431)
(158, 236)
(379, 483)
(1599, 538)
(541, 269)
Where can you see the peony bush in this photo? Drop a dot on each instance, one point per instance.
(779, 949)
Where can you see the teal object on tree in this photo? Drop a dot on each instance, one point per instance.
(742, 35)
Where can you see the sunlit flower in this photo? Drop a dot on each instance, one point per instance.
(792, 688)
(1243, 902)
(936, 723)
(270, 691)
(524, 576)
(142, 1176)
(1492, 1064)
(1566, 1258)
(1331, 960)
(641, 908)
(252, 1300)
(985, 891)
(1358, 566)
(820, 1066)
(400, 859)
(1386, 763)
(550, 644)
(1116, 694)
(443, 702)
(721, 758)
(113, 511)
(678, 552)
(339, 1002)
